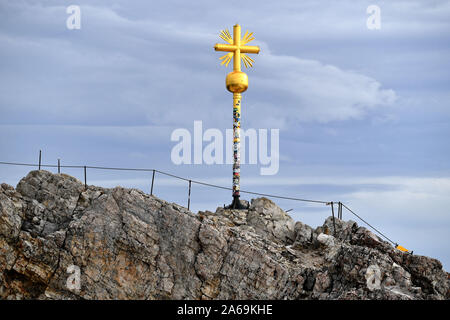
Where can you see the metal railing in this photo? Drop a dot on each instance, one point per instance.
(191, 181)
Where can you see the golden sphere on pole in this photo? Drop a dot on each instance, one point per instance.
(237, 81)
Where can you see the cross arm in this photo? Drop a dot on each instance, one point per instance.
(250, 49)
(225, 47)
(232, 48)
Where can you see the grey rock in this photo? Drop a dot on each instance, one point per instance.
(342, 230)
(129, 245)
(373, 277)
(270, 220)
(303, 234)
(325, 239)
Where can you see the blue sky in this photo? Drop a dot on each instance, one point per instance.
(363, 114)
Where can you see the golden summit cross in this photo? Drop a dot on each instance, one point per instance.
(237, 48)
(236, 82)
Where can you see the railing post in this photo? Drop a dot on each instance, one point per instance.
(40, 154)
(153, 179)
(340, 210)
(332, 213)
(59, 166)
(85, 180)
(189, 195)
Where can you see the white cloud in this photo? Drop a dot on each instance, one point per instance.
(153, 72)
(308, 90)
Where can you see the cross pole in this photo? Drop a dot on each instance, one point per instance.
(236, 82)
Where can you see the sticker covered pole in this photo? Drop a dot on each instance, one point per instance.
(236, 144)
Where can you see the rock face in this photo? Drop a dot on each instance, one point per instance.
(60, 241)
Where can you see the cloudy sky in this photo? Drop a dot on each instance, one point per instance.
(363, 114)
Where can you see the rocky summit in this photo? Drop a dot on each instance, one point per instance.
(60, 240)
